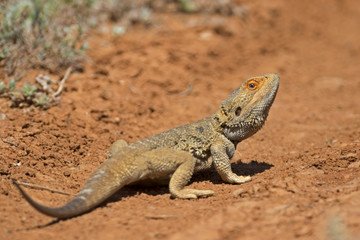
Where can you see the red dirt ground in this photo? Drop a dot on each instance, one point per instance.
(304, 162)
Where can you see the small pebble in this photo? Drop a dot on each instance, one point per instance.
(239, 192)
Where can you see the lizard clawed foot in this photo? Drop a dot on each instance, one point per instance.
(233, 178)
(192, 193)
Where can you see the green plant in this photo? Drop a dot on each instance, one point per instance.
(41, 33)
(28, 90)
(41, 95)
(187, 5)
(12, 85)
(2, 87)
(42, 102)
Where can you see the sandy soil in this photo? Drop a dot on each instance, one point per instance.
(304, 162)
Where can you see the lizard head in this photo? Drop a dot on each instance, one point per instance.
(244, 112)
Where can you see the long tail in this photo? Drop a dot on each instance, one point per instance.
(103, 183)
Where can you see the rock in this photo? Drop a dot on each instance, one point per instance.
(239, 192)
(2, 116)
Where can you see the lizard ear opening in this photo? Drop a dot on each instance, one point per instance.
(238, 111)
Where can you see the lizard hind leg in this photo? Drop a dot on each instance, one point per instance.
(116, 147)
(181, 177)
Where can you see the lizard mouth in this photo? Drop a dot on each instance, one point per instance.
(242, 130)
(234, 132)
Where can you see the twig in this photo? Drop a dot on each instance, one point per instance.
(12, 144)
(43, 188)
(187, 91)
(157, 217)
(138, 73)
(68, 71)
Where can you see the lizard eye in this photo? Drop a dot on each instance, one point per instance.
(252, 85)
(238, 111)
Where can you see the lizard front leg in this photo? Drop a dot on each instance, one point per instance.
(219, 152)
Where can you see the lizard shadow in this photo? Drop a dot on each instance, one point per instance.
(242, 169)
(133, 190)
(41, 226)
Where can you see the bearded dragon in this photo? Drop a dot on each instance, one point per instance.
(174, 155)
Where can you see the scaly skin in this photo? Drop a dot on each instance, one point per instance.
(179, 152)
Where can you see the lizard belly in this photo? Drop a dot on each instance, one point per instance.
(203, 164)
